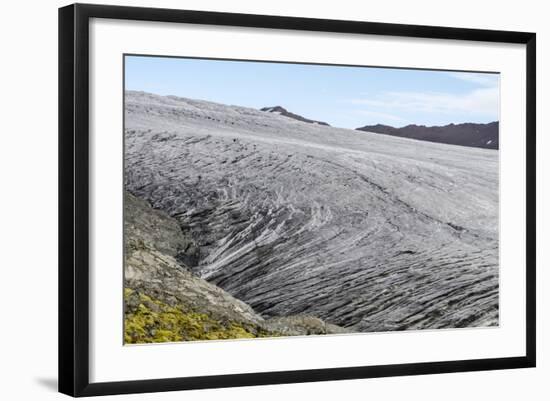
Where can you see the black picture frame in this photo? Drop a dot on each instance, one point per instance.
(74, 198)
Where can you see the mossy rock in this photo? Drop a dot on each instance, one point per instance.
(148, 320)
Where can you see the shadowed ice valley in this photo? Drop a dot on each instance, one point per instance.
(287, 219)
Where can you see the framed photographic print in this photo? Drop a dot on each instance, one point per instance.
(276, 199)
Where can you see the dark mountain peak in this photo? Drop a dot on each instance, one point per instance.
(284, 112)
(464, 134)
(275, 109)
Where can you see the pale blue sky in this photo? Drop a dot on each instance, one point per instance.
(342, 96)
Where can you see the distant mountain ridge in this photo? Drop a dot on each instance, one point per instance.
(466, 134)
(284, 112)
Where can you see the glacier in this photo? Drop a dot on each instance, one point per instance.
(366, 231)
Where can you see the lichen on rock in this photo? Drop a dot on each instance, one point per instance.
(148, 320)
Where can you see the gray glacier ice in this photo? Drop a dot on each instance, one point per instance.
(366, 231)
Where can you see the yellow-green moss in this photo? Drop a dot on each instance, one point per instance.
(149, 320)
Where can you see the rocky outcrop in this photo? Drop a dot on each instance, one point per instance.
(165, 301)
(302, 325)
(142, 223)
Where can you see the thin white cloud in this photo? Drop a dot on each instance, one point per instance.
(381, 116)
(487, 80)
(481, 101)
